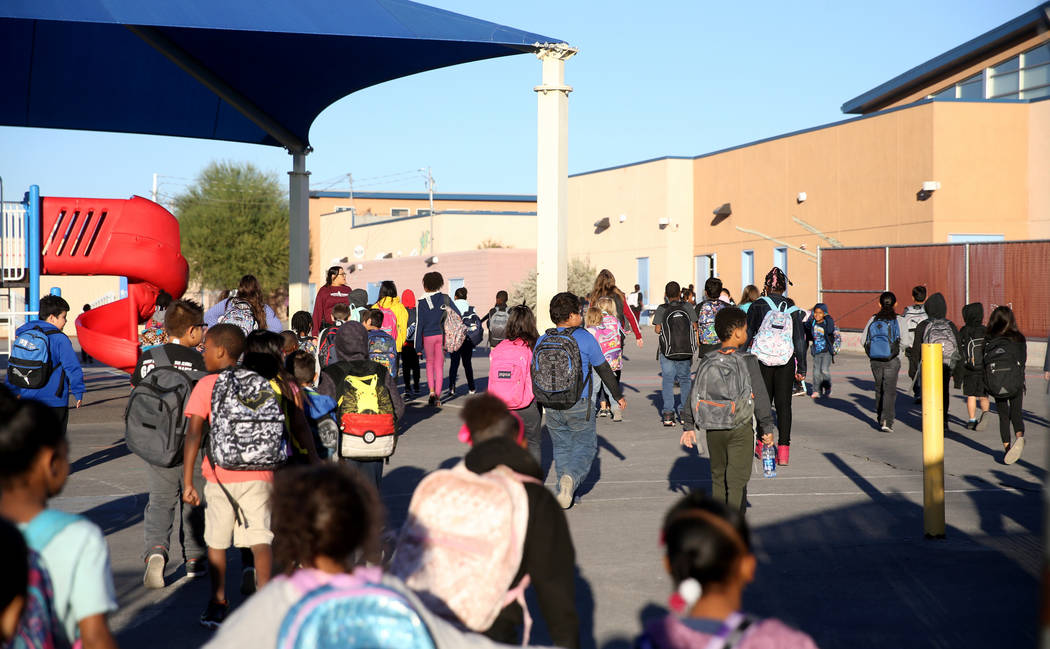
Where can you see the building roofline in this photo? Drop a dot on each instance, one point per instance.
(1028, 23)
(411, 196)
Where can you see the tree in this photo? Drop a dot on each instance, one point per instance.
(580, 281)
(234, 221)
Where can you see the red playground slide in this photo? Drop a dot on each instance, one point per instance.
(132, 237)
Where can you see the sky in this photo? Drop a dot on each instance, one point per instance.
(666, 77)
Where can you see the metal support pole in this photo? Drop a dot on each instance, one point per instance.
(298, 234)
(552, 175)
(820, 280)
(34, 253)
(886, 263)
(966, 260)
(932, 441)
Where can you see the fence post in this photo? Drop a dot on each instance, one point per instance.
(966, 260)
(932, 441)
(820, 280)
(886, 264)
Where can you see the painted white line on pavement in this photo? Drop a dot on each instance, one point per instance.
(1012, 491)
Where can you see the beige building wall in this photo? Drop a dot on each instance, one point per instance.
(1039, 170)
(78, 291)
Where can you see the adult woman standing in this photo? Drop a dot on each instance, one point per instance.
(335, 291)
(430, 334)
(605, 286)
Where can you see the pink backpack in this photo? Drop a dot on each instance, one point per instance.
(461, 545)
(608, 336)
(389, 321)
(509, 376)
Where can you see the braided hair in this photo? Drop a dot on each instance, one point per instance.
(776, 281)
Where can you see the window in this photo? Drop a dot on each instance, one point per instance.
(974, 238)
(747, 268)
(1035, 72)
(780, 260)
(346, 208)
(425, 211)
(398, 212)
(972, 88)
(643, 277)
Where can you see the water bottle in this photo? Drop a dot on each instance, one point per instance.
(769, 461)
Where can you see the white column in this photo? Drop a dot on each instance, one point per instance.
(552, 176)
(298, 235)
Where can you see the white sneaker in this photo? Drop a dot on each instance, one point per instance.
(565, 489)
(1014, 454)
(154, 576)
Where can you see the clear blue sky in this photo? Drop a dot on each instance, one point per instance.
(679, 77)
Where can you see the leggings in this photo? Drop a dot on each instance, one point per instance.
(435, 355)
(780, 381)
(410, 366)
(1010, 412)
(464, 354)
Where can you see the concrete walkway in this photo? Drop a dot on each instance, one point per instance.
(838, 533)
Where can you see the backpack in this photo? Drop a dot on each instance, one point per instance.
(247, 423)
(389, 321)
(461, 545)
(152, 336)
(39, 626)
(357, 313)
(326, 353)
(836, 344)
(352, 611)
(365, 411)
(30, 364)
(382, 349)
(239, 313)
(973, 346)
(882, 341)
(912, 316)
(320, 415)
(722, 397)
(452, 328)
(607, 333)
(939, 331)
(308, 344)
(509, 377)
(154, 423)
(677, 341)
(1003, 372)
(498, 326)
(774, 343)
(475, 332)
(557, 370)
(705, 316)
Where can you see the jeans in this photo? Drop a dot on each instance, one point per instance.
(370, 470)
(885, 374)
(165, 500)
(435, 355)
(1010, 411)
(464, 354)
(822, 371)
(780, 381)
(532, 421)
(675, 370)
(574, 438)
(731, 454)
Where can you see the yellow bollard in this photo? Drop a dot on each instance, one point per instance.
(933, 441)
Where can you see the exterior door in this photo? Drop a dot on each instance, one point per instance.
(643, 278)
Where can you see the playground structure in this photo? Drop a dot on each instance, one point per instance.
(134, 238)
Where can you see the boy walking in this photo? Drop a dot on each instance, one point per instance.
(910, 319)
(178, 366)
(729, 441)
(937, 328)
(381, 345)
(562, 362)
(675, 323)
(43, 365)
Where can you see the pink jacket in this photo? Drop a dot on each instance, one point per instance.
(670, 633)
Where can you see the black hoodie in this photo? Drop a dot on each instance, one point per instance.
(351, 345)
(973, 328)
(548, 556)
(937, 309)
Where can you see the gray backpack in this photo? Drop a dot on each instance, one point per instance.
(939, 331)
(498, 326)
(247, 423)
(154, 423)
(722, 398)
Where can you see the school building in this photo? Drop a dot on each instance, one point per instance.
(956, 149)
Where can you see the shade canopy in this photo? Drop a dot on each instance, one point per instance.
(256, 71)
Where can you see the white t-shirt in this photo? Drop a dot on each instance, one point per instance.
(632, 300)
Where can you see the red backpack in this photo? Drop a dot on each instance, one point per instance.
(510, 378)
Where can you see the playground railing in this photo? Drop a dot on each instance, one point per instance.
(13, 233)
(12, 320)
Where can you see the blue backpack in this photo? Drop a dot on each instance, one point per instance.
(883, 340)
(472, 322)
(382, 349)
(30, 365)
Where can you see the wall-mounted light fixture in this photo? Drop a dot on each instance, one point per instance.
(928, 187)
(664, 222)
(801, 198)
(430, 261)
(721, 214)
(601, 225)
(623, 218)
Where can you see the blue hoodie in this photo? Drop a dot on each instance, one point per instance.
(66, 376)
(828, 326)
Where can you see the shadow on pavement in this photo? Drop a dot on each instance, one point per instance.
(119, 514)
(118, 450)
(682, 478)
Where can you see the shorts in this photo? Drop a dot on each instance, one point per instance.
(220, 524)
(973, 385)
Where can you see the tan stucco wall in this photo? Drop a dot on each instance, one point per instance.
(78, 291)
(1039, 170)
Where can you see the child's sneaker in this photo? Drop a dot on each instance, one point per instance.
(196, 567)
(213, 616)
(886, 428)
(154, 575)
(565, 489)
(668, 419)
(1014, 454)
(783, 455)
(247, 581)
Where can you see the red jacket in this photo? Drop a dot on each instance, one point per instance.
(327, 297)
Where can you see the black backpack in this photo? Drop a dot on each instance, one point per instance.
(677, 341)
(557, 370)
(973, 348)
(1003, 372)
(154, 423)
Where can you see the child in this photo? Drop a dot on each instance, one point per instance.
(606, 329)
(882, 342)
(381, 345)
(1005, 355)
(395, 314)
(319, 409)
(748, 297)
(709, 558)
(409, 356)
(497, 318)
(47, 377)
(153, 333)
(430, 320)
(85, 358)
(731, 449)
(302, 324)
(571, 427)
(289, 342)
(705, 316)
(326, 352)
(913, 315)
(465, 353)
(969, 374)
(510, 375)
(34, 468)
(27, 614)
(675, 323)
(184, 326)
(820, 332)
(937, 328)
(237, 489)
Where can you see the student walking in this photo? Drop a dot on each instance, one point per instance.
(910, 320)
(43, 365)
(302, 326)
(409, 356)
(602, 323)
(465, 354)
(605, 286)
(510, 374)
(1005, 356)
(747, 298)
(497, 320)
(820, 333)
(937, 328)
(882, 343)
(675, 323)
(395, 315)
(430, 333)
(335, 291)
(705, 316)
(776, 336)
(247, 310)
(969, 373)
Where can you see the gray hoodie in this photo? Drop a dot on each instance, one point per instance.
(351, 345)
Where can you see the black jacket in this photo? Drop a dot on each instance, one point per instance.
(757, 312)
(937, 309)
(548, 556)
(351, 343)
(973, 328)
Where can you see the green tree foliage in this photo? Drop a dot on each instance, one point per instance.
(234, 221)
(580, 281)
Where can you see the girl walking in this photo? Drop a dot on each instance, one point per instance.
(1005, 354)
(430, 320)
(882, 342)
(510, 373)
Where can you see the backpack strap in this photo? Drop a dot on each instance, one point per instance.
(45, 526)
(733, 631)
